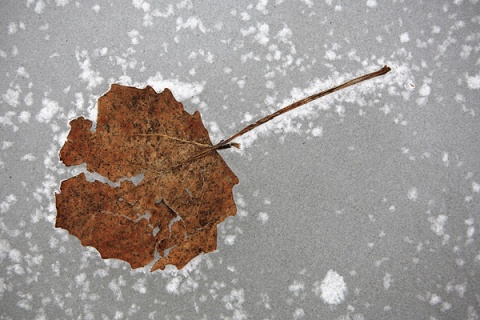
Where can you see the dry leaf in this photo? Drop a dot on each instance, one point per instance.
(179, 202)
(186, 189)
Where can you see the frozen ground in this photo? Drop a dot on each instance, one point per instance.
(364, 205)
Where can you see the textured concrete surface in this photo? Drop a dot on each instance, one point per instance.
(363, 205)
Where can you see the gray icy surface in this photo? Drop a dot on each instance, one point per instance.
(364, 205)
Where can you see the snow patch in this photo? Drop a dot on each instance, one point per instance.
(412, 194)
(234, 302)
(387, 281)
(330, 55)
(476, 187)
(284, 35)
(230, 240)
(39, 6)
(181, 90)
(24, 116)
(425, 90)
(473, 82)
(371, 3)
(5, 205)
(299, 313)
(332, 290)
(12, 28)
(139, 286)
(28, 157)
(11, 97)
(263, 217)
(192, 22)
(404, 37)
(61, 3)
(296, 287)
(15, 255)
(50, 108)
(116, 286)
(317, 132)
(438, 224)
(91, 77)
(262, 35)
(261, 6)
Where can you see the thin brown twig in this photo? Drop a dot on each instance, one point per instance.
(227, 142)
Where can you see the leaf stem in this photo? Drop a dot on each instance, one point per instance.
(224, 143)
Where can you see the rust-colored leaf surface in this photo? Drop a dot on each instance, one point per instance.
(174, 210)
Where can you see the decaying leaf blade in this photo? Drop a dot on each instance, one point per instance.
(141, 132)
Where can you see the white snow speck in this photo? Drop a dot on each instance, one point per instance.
(191, 23)
(15, 255)
(80, 279)
(261, 6)
(412, 194)
(317, 132)
(387, 281)
(263, 217)
(134, 36)
(404, 37)
(332, 289)
(445, 160)
(309, 3)
(172, 286)
(61, 3)
(28, 157)
(241, 83)
(14, 51)
(473, 82)
(91, 77)
(28, 99)
(12, 28)
(39, 6)
(234, 302)
(299, 313)
(425, 90)
(6, 144)
(476, 187)
(24, 116)
(435, 299)
(7, 120)
(11, 97)
(245, 16)
(50, 108)
(139, 286)
(9, 201)
(137, 3)
(181, 90)
(247, 117)
(371, 3)
(262, 35)
(330, 55)
(230, 240)
(284, 35)
(470, 230)
(296, 287)
(22, 72)
(438, 224)
(115, 285)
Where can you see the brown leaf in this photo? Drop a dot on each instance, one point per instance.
(175, 209)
